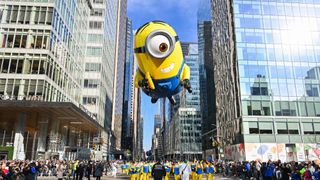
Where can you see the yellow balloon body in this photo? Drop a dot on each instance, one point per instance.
(160, 60)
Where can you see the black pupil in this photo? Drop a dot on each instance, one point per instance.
(163, 47)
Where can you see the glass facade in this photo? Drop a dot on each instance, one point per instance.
(267, 53)
(44, 42)
(98, 85)
(184, 126)
(42, 50)
(120, 72)
(127, 131)
(279, 57)
(206, 74)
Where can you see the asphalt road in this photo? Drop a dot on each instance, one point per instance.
(125, 177)
(215, 178)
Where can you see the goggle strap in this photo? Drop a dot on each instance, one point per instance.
(176, 38)
(140, 50)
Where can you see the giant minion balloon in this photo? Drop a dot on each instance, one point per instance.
(161, 68)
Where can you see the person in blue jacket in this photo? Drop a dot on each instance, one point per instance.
(295, 175)
(316, 174)
(268, 170)
(248, 170)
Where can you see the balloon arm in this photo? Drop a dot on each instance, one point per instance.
(185, 72)
(138, 77)
(186, 78)
(150, 82)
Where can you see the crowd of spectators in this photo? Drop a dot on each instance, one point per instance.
(31, 170)
(276, 170)
(271, 170)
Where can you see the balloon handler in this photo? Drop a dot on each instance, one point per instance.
(161, 68)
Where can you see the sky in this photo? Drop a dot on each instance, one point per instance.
(182, 16)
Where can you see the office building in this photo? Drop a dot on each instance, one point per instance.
(42, 52)
(185, 121)
(140, 151)
(136, 126)
(267, 51)
(103, 54)
(157, 138)
(120, 75)
(206, 78)
(127, 131)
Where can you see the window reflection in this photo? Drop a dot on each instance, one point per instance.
(279, 63)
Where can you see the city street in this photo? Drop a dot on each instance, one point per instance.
(216, 178)
(126, 177)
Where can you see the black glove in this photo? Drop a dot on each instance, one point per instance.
(186, 84)
(143, 83)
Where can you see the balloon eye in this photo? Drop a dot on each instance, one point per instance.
(163, 47)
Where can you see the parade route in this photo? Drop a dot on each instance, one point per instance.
(127, 177)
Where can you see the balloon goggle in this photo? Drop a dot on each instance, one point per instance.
(159, 44)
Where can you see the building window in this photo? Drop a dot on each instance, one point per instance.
(282, 128)
(96, 25)
(317, 107)
(22, 15)
(293, 128)
(97, 12)
(266, 127)
(308, 128)
(253, 128)
(18, 39)
(316, 128)
(95, 38)
(91, 83)
(93, 67)
(98, 1)
(89, 100)
(94, 51)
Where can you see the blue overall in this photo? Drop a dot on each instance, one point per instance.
(193, 167)
(211, 169)
(165, 87)
(167, 169)
(176, 170)
(206, 170)
(199, 170)
(145, 169)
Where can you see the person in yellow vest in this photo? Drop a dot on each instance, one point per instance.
(140, 165)
(144, 171)
(138, 170)
(127, 166)
(74, 168)
(206, 169)
(211, 171)
(167, 167)
(123, 168)
(132, 172)
(193, 171)
(199, 170)
(176, 171)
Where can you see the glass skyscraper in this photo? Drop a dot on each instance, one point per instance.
(277, 68)
(184, 127)
(127, 120)
(101, 59)
(120, 74)
(206, 75)
(42, 50)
